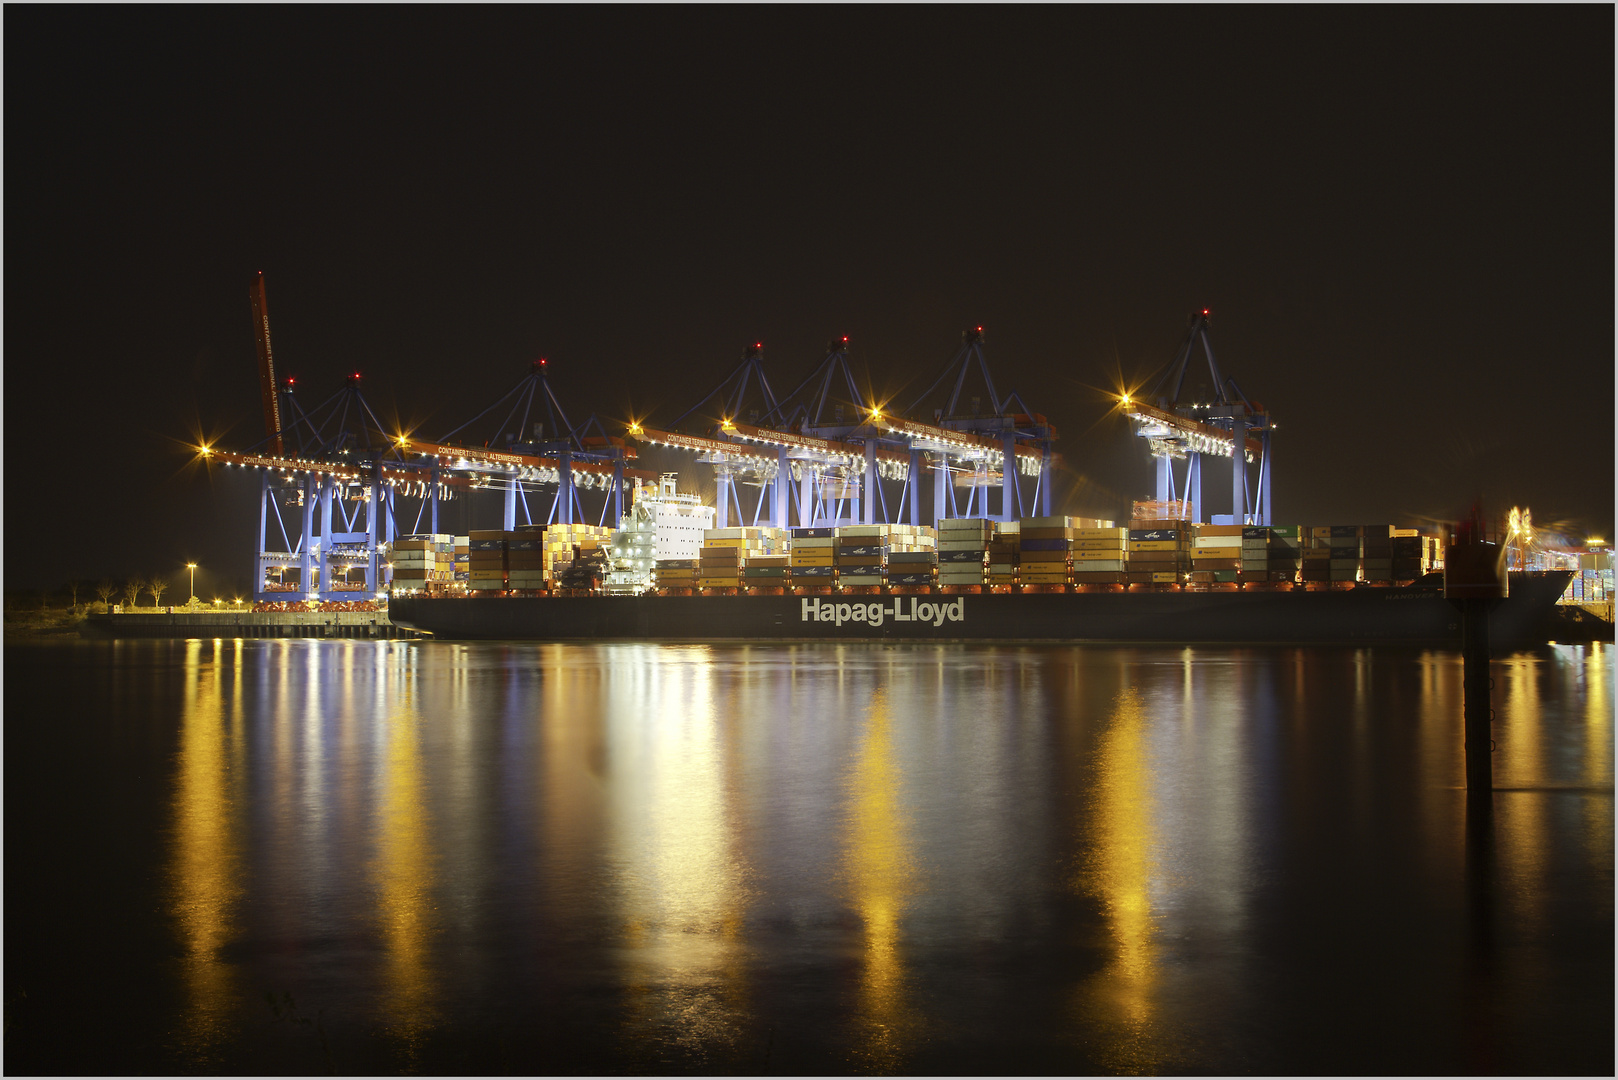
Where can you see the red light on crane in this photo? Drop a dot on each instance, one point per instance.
(1205, 311)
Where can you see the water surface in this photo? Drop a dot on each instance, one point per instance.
(280, 856)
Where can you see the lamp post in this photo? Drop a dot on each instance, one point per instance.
(191, 566)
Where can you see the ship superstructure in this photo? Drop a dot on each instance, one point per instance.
(663, 524)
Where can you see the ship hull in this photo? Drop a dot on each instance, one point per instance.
(1395, 615)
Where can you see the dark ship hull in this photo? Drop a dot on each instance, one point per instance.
(1368, 615)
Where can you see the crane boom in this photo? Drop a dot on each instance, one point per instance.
(266, 363)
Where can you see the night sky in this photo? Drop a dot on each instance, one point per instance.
(1401, 218)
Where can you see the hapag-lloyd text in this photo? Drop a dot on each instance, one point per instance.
(902, 609)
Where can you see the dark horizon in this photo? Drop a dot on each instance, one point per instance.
(1402, 221)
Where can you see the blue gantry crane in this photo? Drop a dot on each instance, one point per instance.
(1218, 422)
(837, 446)
(342, 470)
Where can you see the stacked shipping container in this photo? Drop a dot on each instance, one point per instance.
(1098, 555)
(726, 552)
(963, 548)
(1002, 555)
(1159, 554)
(525, 558)
(812, 561)
(1216, 554)
(486, 560)
(463, 560)
(423, 559)
(562, 543)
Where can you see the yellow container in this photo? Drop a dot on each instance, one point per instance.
(1160, 576)
(1155, 545)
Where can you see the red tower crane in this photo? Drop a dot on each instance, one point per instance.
(266, 364)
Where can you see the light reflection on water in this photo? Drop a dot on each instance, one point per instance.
(879, 870)
(832, 858)
(206, 872)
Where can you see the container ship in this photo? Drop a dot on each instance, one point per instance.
(666, 575)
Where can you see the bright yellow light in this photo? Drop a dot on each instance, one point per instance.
(1594, 541)
(1124, 400)
(876, 414)
(402, 441)
(204, 449)
(190, 566)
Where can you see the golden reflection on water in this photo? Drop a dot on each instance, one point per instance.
(881, 877)
(1118, 1002)
(1597, 713)
(205, 875)
(684, 876)
(1598, 815)
(403, 874)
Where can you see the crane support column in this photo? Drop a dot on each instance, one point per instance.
(940, 487)
(721, 476)
(564, 481)
(1238, 472)
(806, 497)
(1264, 478)
(1193, 486)
(435, 474)
(306, 563)
(509, 517)
(263, 524)
(913, 479)
(372, 523)
(327, 484)
(783, 477)
(869, 491)
(1165, 478)
(1009, 495)
(617, 491)
(1045, 481)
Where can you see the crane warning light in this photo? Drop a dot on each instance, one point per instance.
(1205, 311)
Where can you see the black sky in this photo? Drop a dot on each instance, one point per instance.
(1402, 219)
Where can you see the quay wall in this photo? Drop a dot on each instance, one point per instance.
(246, 624)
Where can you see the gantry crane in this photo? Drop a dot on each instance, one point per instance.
(343, 471)
(837, 447)
(1225, 425)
